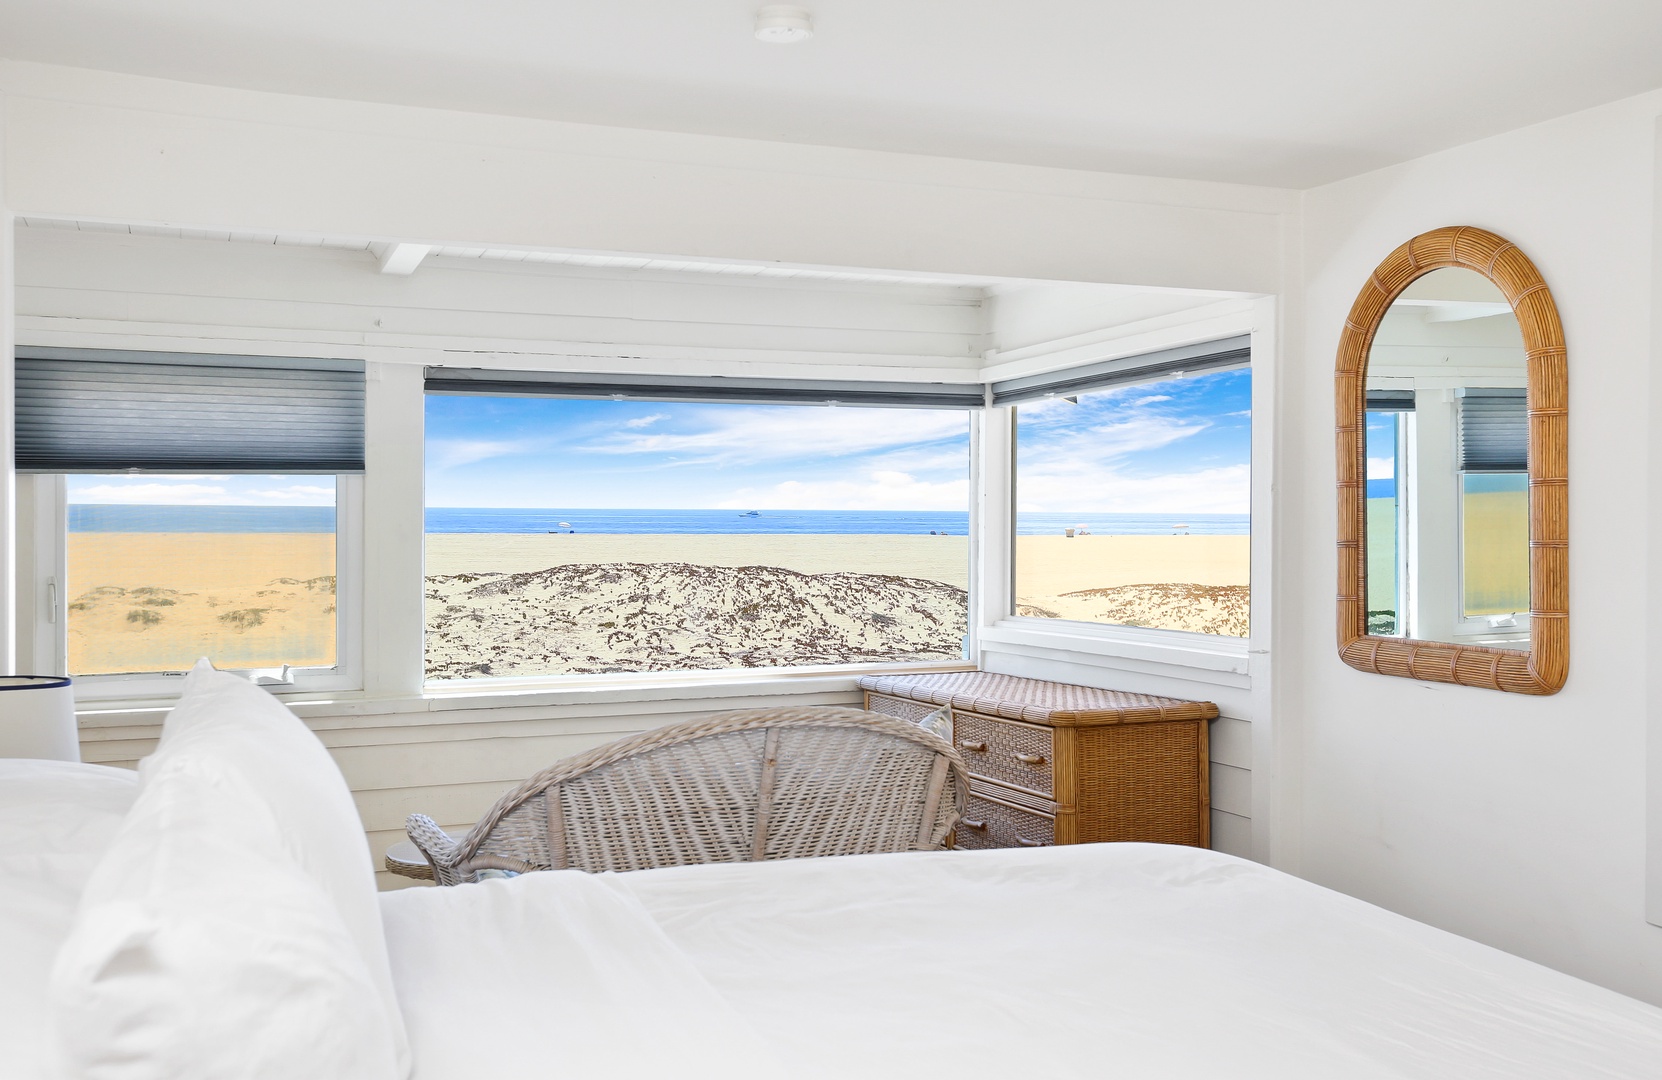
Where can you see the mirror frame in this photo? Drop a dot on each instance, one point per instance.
(1543, 669)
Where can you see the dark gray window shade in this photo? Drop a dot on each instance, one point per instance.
(1494, 430)
(1392, 401)
(1150, 367)
(93, 410)
(711, 388)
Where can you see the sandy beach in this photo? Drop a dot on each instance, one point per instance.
(158, 601)
(937, 558)
(1194, 583)
(534, 604)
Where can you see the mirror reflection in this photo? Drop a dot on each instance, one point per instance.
(1448, 482)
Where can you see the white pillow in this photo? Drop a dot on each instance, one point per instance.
(239, 731)
(202, 951)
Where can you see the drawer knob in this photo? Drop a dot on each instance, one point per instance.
(1030, 759)
(973, 747)
(970, 823)
(1025, 842)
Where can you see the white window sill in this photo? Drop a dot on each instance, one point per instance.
(1203, 657)
(438, 701)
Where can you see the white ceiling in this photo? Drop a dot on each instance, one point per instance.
(1285, 92)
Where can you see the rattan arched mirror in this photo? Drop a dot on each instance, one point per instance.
(1435, 379)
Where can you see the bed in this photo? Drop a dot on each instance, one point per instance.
(145, 941)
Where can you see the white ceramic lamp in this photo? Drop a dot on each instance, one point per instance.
(37, 718)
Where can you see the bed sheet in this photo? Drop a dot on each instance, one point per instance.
(1122, 960)
(557, 974)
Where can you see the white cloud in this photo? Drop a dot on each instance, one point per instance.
(151, 492)
(745, 436)
(453, 453)
(1135, 434)
(1382, 468)
(645, 421)
(1152, 399)
(874, 490)
(237, 491)
(299, 495)
(1094, 487)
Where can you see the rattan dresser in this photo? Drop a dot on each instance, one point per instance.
(1053, 763)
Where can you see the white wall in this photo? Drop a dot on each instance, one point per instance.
(1517, 821)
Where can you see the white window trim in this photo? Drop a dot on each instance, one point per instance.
(42, 512)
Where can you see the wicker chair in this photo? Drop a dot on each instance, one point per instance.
(738, 786)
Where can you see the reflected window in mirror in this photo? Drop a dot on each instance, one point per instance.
(1389, 430)
(1494, 512)
(1447, 474)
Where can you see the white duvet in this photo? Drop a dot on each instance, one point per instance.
(56, 819)
(1103, 960)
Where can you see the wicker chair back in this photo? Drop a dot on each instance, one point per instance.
(738, 786)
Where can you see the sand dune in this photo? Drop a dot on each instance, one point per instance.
(676, 616)
(1200, 609)
(157, 601)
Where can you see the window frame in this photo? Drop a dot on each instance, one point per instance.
(43, 518)
(1230, 670)
(641, 390)
(1210, 651)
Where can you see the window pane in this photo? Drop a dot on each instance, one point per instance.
(1383, 527)
(578, 537)
(1494, 537)
(1132, 505)
(163, 570)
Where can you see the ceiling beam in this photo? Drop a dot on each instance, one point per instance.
(400, 258)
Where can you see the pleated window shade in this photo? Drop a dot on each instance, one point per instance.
(1393, 401)
(94, 410)
(1494, 430)
(1209, 356)
(709, 389)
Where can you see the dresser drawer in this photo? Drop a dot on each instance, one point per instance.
(899, 708)
(988, 823)
(1008, 751)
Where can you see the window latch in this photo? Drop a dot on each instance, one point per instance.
(272, 676)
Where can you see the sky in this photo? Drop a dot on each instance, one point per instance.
(1180, 446)
(1177, 446)
(1174, 446)
(198, 489)
(1382, 446)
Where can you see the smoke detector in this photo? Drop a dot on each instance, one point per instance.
(783, 24)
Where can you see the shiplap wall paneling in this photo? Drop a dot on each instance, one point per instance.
(110, 286)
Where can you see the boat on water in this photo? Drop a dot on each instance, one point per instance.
(751, 513)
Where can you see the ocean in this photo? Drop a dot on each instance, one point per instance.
(89, 517)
